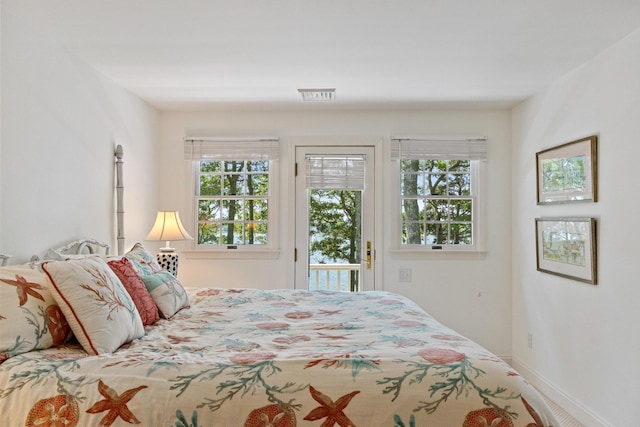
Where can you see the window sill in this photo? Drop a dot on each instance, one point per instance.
(232, 254)
(428, 253)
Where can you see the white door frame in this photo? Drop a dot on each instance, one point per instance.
(369, 222)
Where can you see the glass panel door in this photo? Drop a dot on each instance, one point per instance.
(334, 218)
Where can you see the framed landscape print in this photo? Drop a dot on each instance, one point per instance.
(567, 247)
(568, 173)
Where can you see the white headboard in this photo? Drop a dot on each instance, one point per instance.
(82, 247)
(76, 249)
(3, 259)
(119, 198)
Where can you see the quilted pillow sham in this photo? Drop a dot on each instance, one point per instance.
(137, 290)
(143, 262)
(30, 318)
(167, 292)
(98, 309)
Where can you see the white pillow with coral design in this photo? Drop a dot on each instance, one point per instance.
(98, 308)
(30, 318)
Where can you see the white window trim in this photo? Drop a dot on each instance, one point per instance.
(269, 251)
(231, 251)
(221, 253)
(477, 250)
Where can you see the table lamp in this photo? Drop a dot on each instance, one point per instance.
(168, 227)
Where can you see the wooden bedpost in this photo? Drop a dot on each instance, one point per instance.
(119, 199)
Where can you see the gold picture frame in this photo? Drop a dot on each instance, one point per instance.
(567, 247)
(568, 173)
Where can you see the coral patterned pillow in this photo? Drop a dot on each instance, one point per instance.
(30, 318)
(143, 262)
(97, 306)
(167, 292)
(136, 289)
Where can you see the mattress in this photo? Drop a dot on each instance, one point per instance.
(250, 357)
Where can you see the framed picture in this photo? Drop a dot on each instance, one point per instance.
(567, 247)
(568, 173)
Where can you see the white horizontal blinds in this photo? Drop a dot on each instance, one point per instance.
(335, 172)
(250, 148)
(448, 148)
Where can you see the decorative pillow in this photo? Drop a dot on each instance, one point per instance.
(143, 262)
(30, 318)
(136, 289)
(167, 292)
(98, 308)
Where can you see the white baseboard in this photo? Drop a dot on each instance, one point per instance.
(577, 410)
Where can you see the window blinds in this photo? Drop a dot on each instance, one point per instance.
(435, 148)
(231, 148)
(335, 172)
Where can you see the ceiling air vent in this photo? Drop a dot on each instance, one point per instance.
(317, 95)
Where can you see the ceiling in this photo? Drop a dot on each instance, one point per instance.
(190, 54)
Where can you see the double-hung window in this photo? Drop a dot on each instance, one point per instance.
(234, 191)
(439, 192)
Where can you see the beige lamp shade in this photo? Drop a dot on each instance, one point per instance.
(168, 227)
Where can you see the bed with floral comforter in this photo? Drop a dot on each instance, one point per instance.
(248, 357)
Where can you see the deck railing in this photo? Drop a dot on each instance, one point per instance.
(332, 277)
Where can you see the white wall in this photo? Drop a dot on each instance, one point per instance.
(60, 124)
(448, 288)
(586, 338)
(0, 123)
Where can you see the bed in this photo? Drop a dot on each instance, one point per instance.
(83, 349)
(93, 339)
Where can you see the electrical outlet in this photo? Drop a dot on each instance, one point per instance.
(530, 340)
(404, 275)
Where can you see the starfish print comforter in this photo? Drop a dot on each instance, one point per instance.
(248, 357)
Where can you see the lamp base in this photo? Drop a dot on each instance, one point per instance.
(166, 247)
(168, 261)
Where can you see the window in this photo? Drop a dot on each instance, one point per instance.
(234, 191)
(233, 202)
(439, 192)
(437, 202)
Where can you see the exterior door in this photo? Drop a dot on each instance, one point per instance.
(335, 248)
